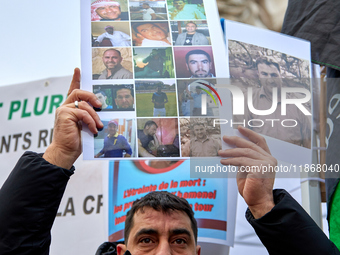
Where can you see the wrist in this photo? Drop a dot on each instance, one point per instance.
(260, 210)
(58, 157)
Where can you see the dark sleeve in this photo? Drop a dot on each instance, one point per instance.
(288, 229)
(29, 201)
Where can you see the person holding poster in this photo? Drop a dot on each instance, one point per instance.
(115, 145)
(36, 185)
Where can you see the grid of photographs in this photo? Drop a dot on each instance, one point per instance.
(152, 67)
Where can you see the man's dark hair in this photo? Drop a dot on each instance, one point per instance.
(178, 1)
(136, 25)
(150, 123)
(196, 52)
(119, 87)
(113, 50)
(161, 201)
(268, 62)
(191, 22)
(101, 92)
(146, 4)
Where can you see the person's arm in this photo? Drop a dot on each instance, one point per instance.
(142, 151)
(165, 99)
(125, 36)
(31, 195)
(153, 16)
(279, 221)
(100, 38)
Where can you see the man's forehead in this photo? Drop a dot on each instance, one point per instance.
(110, 53)
(198, 57)
(262, 66)
(146, 215)
(124, 91)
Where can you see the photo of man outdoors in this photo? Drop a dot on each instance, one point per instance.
(191, 36)
(108, 10)
(159, 99)
(147, 12)
(199, 138)
(181, 10)
(270, 73)
(151, 34)
(153, 62)
(117, 38)
(115, 145)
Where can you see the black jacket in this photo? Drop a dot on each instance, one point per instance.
(30, 197)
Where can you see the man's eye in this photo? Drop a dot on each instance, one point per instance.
(146, 240)
(100, 8)
(180, 241)
(205, 61)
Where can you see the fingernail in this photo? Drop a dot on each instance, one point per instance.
(95, 135)
(97, 109)
(100, 129)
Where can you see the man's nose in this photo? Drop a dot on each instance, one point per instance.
(163, 248)
(199, 65)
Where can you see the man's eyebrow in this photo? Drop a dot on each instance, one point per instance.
(148, 231)
(180, 231)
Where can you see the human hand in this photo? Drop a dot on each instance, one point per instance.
(256, 186)
(66, 144)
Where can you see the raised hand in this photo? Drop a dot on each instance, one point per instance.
(77, 108)
(255, 178)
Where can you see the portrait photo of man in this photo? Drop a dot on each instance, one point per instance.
(113, 35)
(158, 137)
(153, 63)
(186, 33)
(112, 59)
(273, 71)
(194, 62)
(109, 10)
(199, 137)
(115, 145)
(104, 95)
(151, 34)
(124, 97)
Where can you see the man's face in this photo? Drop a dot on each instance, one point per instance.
(200, 132)
(110, 30)
(112, 129)
(124, 99)
(199, 65)
(145, 6)
(158, 233)
(101, 98)
(111, 59)
(109, 11)
(151, 32)
(179, 5)
(191, 28)
(151, 130)
(269, 76)
(159, 89)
